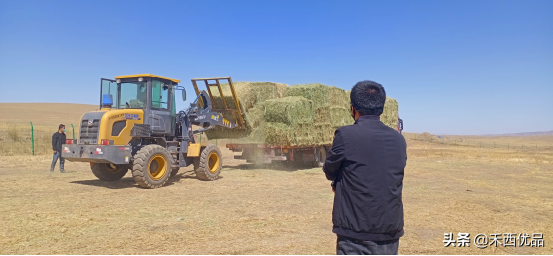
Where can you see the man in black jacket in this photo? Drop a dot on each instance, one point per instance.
(58, 139)
(366, 164)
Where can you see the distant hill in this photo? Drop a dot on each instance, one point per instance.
(51, 114)
(519, 134)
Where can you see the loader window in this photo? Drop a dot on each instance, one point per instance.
(109, 89)
(134, 94)
(160, 95)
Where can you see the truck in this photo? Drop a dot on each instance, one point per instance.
(311, 155)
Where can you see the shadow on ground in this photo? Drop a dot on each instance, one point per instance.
(116, 184)
(184, 175)
(275, 166)
(129, 182)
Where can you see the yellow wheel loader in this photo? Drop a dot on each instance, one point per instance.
(138, 128)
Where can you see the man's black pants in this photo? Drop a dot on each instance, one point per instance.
(351, 246)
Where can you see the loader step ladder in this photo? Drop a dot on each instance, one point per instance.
(226, 108)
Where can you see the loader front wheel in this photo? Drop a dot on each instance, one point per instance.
(151, 166)
(208, 165)
(109, 172)
(174, 171)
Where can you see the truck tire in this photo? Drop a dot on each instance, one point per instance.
(109, 172)
(320, 157)
(152, 166)
(208, 165)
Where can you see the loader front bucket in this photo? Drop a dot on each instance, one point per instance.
(225, 101)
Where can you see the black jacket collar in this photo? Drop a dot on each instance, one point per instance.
(366, 118)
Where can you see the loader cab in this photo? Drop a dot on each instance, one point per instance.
(155, 95)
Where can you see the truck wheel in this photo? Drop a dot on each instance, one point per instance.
(109, 171)
(320, 157)
(151, 166)
(208, 165)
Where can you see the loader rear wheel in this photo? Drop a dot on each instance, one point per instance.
(152, 166)
(109, 172)
(208, 165)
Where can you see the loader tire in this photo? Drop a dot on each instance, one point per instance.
(152, 166)
(208, 165)
(109, 172)
(174, 171)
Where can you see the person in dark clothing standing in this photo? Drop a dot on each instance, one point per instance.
(399, 124)
(366, 165)
(58, 139)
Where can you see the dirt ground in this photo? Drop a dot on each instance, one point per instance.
(270, 209)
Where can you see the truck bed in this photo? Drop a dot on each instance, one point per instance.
(265, 153)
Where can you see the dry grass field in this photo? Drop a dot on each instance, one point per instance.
(503, 142)
(270, 209)
(15, 127)
(43, 113)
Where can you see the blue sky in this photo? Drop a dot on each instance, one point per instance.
(456, 67)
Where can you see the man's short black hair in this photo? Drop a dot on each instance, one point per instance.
(368, 98)
(61, 125)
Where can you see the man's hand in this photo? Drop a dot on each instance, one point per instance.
(333, 190)
(55, 151)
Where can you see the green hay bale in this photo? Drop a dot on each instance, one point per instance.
(390, 114)
(307, 134)
(322, 114)
(279, 134)
(317, 93)
(323, 133)
(338, 97)
(254, 117)
(288, 110)
(340, 116)
(324, 98)
(250, 95)
(240, 88)
(299, 115)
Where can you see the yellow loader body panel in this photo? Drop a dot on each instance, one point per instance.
(111, 116)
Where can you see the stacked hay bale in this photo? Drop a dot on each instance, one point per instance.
(316, 130)
(390, 115)
(251, 95)
(340, 112)
(298, 115)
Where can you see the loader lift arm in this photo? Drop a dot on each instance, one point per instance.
(204, 113)
(200, 113)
